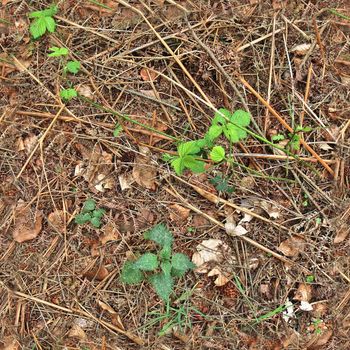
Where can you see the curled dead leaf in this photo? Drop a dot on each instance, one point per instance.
(25, 229)
(98, 274)
(56, 219)
(110, 234)
(77, 332)
(303, 293)
(148, 74)
(222, 278)
(301, 49)
(320, 338)
(85, 90)
(116, 320)
(292, 246)
(342, 233)
(179, 213)
(125, 181)
(143, 172)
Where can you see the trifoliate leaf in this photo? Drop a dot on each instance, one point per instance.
(95, 222)
(98, 213)
(160, 234)
(50, 24)
(178, 165)
(181, 262)
(49, 12)
(214, 132)
(166, 267)
(241, 118)
(163, 285)
(58, 51)
(82, 218)
(186, 148)
(130, 274)
(197, 166)
(73, 67)
(217, 154)
(38, 28)
(89, 205)
(68, 94)
(221, 116)
(165, 252)
(147, 262)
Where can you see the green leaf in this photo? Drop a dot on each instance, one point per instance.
(221, 116)
(186, 148)
(233, 133)
(165, 253)
(197, 166)
(147, 262)
(310, 278)
(217, 154)
(118, 129)
(95, 222)
(166, 267)
(98, 213)
(278, 137)
(160, 234)
(50, 24)
(82, 218)
(38, 28)
(304, 129)
(241, 118)
(214, 132)
(58, 51)
(130, 274)
(181, 262)
(89, 205)
(49, 12)
(72, 67)
(163, 285)
(201, 143)
(68, 94)
(178, 165)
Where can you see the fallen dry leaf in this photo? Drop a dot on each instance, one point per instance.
(292, 246)
(77, 332)
(143, 172)
(116, 320)
(222, 278)
(179, 213)
(29, 143)
(303, 293)
(110, 234)
(10, 343)
(85, 90)
(125, 181)
(56, 219)
(26, 227)
(148, 74)
(97, 274)
(342, 233)
(318, 340)
(233, 230)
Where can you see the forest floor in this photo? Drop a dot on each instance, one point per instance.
(267, 223)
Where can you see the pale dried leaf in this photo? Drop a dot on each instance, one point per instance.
(305, 306)
(125, 181)
(301, 49)
(85, 90)
(29, 143)
(325, 146)
(56, 219)
(319, 340)
(22, 65)
(110, 234)
(77, 332)
(10, 343)
(304, 292)
(144, 173)
(288, 314)
(116, 320)
(222, 278)
(292, 246)
(148, 74)
(26, 227)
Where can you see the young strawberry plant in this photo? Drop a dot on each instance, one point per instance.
(89, 213)
(159, 269)
(42, 22)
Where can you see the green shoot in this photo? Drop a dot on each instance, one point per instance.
(158, 269)
(89, 213)
(221, 184)
(43, 22)
(58, 51)
(68, 94)
(72, 67)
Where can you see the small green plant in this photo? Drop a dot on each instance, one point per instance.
(317, 325)
(158, 269)
(293, 138)
(310, 278)
(68, 94)
(58, 51)
(89, 213)
(43, 22)
(72, 67)
(118, 129)
(221, 184)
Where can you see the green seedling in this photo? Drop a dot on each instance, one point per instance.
(68, 94)
(89, 213)
(310, 278)
(159, 269)
(43, 22)
(221, 184)
(118, 129)
(72, 67)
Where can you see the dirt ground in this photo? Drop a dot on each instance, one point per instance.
(153, 73)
